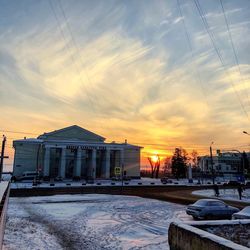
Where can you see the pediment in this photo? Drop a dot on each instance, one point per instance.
(72, 133)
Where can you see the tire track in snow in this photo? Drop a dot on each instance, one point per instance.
(68, 239)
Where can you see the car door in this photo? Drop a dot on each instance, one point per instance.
(218, 209)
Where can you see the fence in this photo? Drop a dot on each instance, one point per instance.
(4, 197)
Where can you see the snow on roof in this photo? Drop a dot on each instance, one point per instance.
(209, 200)
(218, 222)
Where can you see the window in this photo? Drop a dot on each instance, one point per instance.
(201, 203)
(216, 203)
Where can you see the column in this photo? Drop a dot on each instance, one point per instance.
(122, 161)
(78, 162)
(106, 165)
(93, 163)
(46, 161)
(63, 163)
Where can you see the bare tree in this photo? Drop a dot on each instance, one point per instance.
(167, 166)
(194, 158)
(155, 167)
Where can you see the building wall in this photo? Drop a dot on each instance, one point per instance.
(132, 162)
(25, 158)
(29, 157)
(221, 164)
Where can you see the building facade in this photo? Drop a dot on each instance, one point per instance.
(228, 164)
(75, 152)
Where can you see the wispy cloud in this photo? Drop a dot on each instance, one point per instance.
(124, 70)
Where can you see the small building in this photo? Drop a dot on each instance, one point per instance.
(74, 152)
(227, 164)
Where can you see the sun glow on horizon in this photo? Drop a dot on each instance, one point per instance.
(155, 158)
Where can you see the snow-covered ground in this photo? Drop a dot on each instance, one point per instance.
(226, 194)
(90, 221)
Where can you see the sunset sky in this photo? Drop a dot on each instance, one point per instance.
(125, 70)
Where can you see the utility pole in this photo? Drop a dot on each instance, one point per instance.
(2, 156)
(212, 163)
(244, 165)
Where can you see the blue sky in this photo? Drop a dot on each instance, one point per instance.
(124, 69)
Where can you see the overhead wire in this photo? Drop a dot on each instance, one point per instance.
(157, 146)
(212, 38)
(73, 59)
(197, 74)
(16, 132)
(234, 50)
(161, 145)
(79, 53)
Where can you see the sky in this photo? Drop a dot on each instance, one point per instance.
(161, 74)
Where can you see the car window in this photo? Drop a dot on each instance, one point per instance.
(246, 210)
(201, 203)
(216, 203)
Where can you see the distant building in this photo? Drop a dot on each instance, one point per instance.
(226, 164)
(75, 152)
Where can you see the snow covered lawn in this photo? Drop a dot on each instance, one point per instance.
(226, 194)
(90, 221)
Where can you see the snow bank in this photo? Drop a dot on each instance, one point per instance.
(225, 194)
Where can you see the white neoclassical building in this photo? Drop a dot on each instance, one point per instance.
(75, 152)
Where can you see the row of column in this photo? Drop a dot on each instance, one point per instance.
(105, 170)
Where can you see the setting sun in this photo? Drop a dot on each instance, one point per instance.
(155, 158)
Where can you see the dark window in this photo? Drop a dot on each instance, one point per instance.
(201, 203)
(216, 203)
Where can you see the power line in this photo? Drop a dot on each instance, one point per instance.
(79, 55)
(233, 48)
(159, 145)
(197, 75)
(16, 132)
(71, 56)
(212, 38)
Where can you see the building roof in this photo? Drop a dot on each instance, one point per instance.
(72, 132)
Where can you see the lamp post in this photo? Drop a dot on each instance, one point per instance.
(211, 157)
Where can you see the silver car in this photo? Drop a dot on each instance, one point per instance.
(243, 214)
(211, 209)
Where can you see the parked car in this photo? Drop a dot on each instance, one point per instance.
(211, 209)
(243, 214)
(166, 180)
(58, 178)
(28, 176)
